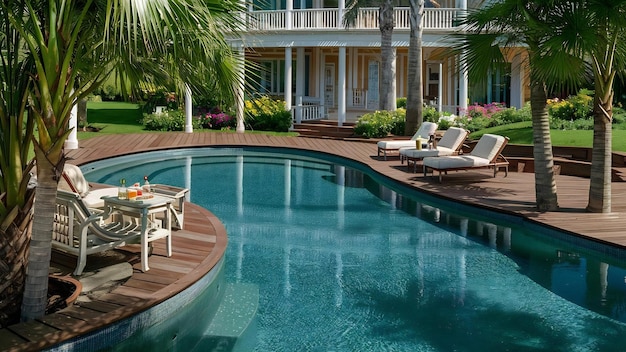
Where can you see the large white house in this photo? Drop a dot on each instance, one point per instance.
(323, 69)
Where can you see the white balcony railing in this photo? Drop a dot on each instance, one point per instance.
(325, 19)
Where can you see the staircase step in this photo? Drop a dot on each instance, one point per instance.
(232, 328)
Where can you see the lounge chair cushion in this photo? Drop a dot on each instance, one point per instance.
(425, 130)
(93, 198)
(423, 153)
(452, 138)
(449, 144)
(455, 162)
(74, 181)
(488, 146)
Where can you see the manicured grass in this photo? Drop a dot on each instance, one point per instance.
(113, 118)
(117, 117)
(521, 133)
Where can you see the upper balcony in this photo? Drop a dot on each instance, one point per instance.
(325, 19)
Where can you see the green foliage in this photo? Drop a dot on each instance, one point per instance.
(444, 124)
(381, 123)
(577, 124)
(168, 121)
(401, 103)
(430, 114)
(266, 114)
(575, 107)
(619, 118)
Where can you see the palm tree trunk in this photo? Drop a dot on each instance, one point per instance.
(387, 53)
(36, 290)
(415, 96)
(545, 183)
(601, 155)
(14, 241)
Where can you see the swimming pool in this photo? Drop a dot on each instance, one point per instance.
(347, 261)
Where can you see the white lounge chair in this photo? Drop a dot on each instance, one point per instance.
(425, 130)
(80, 231)
(73, 180)
(486, 154)
(450, 144)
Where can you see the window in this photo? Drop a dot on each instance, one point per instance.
(496, 89)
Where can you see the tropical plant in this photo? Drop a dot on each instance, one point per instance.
(594, 30)
(386, 24)
(56, 52)
(16, 198)
(267, 114)
(381, 123)
(493, 32)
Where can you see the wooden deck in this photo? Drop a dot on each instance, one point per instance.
(198, 247)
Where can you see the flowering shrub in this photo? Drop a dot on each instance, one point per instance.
(575, 107)
(485, 110)
(160, 98)
(380, 123)
(216, 120)
(266, 114)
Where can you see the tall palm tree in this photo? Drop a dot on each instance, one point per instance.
(386, 23)
(415, 96)
(594, 30)
(491, 32)
(73, 45)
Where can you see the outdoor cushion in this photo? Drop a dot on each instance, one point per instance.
(425, 130)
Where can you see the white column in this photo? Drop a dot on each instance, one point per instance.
(239, 91)
(300, 62)
(451, 87)
(463, 80)
(341, 88)
(321, 66)
(394, 84)
(341, 6)
(463, 83)
(188, 110)
(288, 78)
(72, 140)
(440, 88)
(350, 87)
(401, 75)
(289, 15)
(517, 82)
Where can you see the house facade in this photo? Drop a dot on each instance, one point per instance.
(305, 55)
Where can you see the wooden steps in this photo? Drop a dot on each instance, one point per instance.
(325, 129)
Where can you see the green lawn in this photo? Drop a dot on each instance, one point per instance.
(521, 133)
(116, 117)
(113, 118)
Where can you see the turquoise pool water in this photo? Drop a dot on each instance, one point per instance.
(345, 261)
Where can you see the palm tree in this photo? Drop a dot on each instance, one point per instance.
(386, 23)
(16, 197)
(415, 96)
(69, 48)
(600, 38)
(491, 32)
